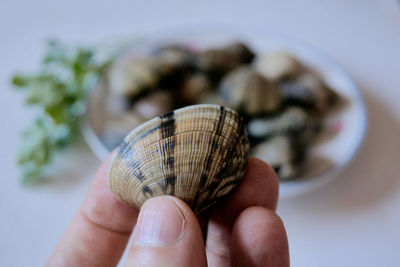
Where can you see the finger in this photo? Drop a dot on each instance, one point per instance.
(99, 231)
(167, 234)
(258, 188)
(259, 239)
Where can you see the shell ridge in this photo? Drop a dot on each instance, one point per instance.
(167, 130)
(134, 167)
(228, 167)
(167, 161)
(135, 140)
(204, 176)
(125, 151)
(142, 132)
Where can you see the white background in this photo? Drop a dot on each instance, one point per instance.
(354, 221)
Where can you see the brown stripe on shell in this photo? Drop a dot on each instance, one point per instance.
(145, 134)
(204, 175)
(136, 166)
(167, 127)
(228, 171)
(125, 153)
(147, 191)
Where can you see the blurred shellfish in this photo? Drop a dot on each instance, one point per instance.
(309, 91)
(197, 153)
(176, 55)
(194, 87)
(154, 104)
(245, 90)
(130, 76)
(284, 154)
(292, 121)
(278, 65)
(218, 61)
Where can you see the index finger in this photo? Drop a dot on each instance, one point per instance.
(259, 187)
(99, 231)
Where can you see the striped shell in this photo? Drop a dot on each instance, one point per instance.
(197, 153)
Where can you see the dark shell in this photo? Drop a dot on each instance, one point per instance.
(310, 92)
(177, 56)
(155, 104)
(131, 76)
(194, 87)
(245, 90)
(218, 61)
(284, 154)
(241, 52)
(292, 121)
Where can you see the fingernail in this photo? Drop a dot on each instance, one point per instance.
(160, 223)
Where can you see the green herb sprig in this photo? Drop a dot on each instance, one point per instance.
(58, 90)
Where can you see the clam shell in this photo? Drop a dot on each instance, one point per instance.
(293, 121)
(278, 65)
(130, 76)
(241, 52)
(309, 91)
(176, 55)
(284, 154)
(154, 104)
(197, 153)
(244, 89)
(194, 87)
(218, 61)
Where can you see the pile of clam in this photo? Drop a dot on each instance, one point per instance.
(282, 102)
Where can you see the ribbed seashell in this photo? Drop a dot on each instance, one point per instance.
(244, 89)
(197, 153)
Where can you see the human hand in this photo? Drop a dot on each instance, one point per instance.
(242, 230)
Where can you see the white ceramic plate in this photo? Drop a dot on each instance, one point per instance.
(327, 158)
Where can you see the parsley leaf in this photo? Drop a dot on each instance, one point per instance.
(58, 90)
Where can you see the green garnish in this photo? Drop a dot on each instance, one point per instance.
(58, 90)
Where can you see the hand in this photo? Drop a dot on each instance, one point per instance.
(242, 230)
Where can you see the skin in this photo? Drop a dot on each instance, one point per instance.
(243, 230)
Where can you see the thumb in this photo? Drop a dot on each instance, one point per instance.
(167, 233)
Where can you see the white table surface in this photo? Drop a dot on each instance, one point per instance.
(354, 221)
